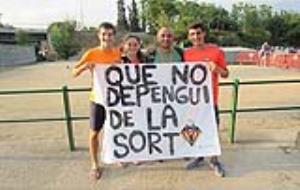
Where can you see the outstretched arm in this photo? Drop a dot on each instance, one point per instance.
(81, 65)
(79, 69)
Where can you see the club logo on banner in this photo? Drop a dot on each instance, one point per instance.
(156, 111)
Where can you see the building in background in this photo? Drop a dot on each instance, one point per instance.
(12, 53)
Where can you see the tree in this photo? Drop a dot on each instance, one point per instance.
(278, 29)
(293, 32)
(22, 38)
(185, 17)
(122, 24)
(63, 39)
(179, 14)
(222, 20)
(134, 17)
(159, 13)
(292, 36)
(265, 13)
(246, 24)
(142, 16)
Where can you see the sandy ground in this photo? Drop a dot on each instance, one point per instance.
(36, 155)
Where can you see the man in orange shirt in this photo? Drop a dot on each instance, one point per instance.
(104, 53)
(214, 57)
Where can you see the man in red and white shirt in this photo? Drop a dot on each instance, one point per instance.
(214, 57)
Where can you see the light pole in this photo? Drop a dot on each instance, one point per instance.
(81, 13)
(80, 23)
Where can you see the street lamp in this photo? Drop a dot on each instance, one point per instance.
(80, 22)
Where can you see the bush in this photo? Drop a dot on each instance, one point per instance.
(62, 37)
(22, 38)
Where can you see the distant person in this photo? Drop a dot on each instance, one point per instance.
(37, 51)
(264, 53)
(104, 53)
(292, 50)
(214, 57)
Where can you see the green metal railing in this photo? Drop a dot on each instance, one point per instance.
(66, 103)
(68, 118)
(234, 104)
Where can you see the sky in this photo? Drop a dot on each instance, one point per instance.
(40, 13)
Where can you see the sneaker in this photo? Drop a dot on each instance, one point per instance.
(217, 167)
(196, 163)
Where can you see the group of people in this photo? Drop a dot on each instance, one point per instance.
(165, 52)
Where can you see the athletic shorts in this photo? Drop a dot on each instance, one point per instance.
(97, 116)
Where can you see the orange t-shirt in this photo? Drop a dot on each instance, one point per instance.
(208, 53)
(99, 56)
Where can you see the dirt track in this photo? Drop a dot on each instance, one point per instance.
(35, 156)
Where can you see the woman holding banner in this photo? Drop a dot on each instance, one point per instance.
(132, 50)
(132, 54)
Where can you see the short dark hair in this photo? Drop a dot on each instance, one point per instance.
(197, 25)
(132, 36)
(107, 25)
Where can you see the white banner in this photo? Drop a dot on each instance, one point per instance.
(156, 111)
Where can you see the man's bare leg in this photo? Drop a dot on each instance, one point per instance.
(93, 150)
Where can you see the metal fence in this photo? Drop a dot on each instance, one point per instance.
(68, 118)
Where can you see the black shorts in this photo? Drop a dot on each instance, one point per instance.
(217, 115)
(97, 116)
